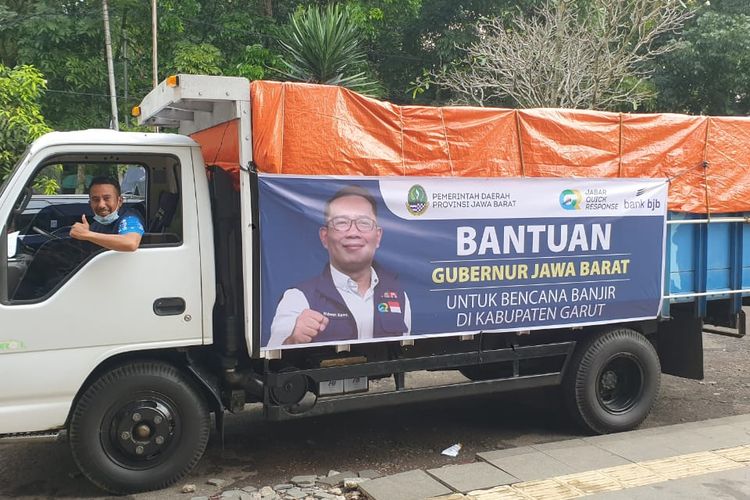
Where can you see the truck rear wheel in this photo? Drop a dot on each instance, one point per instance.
(141, 426)
(612, 381)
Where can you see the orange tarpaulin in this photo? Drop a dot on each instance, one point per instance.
(220, 147)
(324, 130)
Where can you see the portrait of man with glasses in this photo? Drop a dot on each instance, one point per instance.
(353, 298)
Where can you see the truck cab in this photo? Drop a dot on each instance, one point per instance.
(69, 307)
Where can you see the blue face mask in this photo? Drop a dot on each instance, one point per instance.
(107, 219)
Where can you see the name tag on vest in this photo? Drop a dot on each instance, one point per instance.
(335, 315)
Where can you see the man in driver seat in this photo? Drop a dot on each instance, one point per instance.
(112, 228)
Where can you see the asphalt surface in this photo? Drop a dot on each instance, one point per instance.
(390, 440)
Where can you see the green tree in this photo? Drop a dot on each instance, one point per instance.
(21, 120)
(417, 37)
(203, 58)
(593, 54)
(382, 26)
(709, 72)
(257, 63)
(64, 39)
(323, 45)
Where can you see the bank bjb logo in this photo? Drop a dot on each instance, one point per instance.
(570, 199)
(416, 202)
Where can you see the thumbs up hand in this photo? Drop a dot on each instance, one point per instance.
(80, 230)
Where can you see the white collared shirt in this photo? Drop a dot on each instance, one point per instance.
(362, 308)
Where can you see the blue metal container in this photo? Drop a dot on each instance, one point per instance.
(708, 258)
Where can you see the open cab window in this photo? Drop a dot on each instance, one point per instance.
(41, 255)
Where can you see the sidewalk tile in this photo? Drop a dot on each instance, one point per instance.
(738, 454)
(724, 436)
(488, 456)
(679, 467)
(532, 466)
(411, 485)
(731, 484)
(691, 442)
(556, 445)
(468, 477)
(590, 482)
(499, 493)
(633, 475)
(745, 426)
(685, 426)
(548, 489)
(584, 458)
(636, 449)
(733, 419)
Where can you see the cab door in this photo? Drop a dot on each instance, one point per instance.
(86, 303)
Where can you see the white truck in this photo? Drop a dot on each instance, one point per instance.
(126, 355)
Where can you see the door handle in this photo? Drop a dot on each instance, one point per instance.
(169, 306)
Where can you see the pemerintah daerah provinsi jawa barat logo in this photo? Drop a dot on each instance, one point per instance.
(416, 202)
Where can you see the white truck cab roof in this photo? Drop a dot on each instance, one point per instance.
(110, 138)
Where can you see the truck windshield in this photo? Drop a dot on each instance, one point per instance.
(5, 176)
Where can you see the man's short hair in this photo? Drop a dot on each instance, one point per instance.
(105, 179)
(352, 191)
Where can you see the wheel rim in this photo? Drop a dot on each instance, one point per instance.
(137, 434)
(620, 383)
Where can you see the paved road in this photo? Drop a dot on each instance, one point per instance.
(390, 439)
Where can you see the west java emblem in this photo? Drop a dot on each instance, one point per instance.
(416, 203)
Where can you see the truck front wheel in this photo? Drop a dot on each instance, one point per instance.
(612, 381)
(141, 426)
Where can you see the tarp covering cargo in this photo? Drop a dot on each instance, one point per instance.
(309, 129)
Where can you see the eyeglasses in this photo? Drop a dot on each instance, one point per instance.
(364, 224)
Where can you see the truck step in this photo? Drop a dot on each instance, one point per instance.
(39, 436)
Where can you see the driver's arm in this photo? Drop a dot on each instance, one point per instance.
(121, 242)
(127, 239)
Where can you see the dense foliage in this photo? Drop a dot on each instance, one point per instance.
(398, 44)
(21, 120)
(709, 72)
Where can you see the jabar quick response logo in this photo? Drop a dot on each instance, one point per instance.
(571, 199)
(416, 202)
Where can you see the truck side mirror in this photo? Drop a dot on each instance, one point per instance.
(11, 240)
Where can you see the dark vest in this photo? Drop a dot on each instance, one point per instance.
(388, 310)
(111, 228)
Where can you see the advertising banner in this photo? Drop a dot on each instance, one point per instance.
(349, 260)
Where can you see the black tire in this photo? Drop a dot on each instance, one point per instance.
(612, 381)
(139, 427)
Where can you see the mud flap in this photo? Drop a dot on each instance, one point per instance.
(680, 343)
(211, 386)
